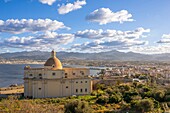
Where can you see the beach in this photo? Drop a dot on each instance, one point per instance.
(11, 90)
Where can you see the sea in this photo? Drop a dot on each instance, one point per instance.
(14, 73)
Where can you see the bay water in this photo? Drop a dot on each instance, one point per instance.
(14, 73)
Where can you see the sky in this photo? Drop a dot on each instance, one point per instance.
(141, 26)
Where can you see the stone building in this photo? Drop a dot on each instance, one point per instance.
(55, 81)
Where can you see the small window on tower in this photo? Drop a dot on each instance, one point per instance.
(40, 74)
(66, 86)
(85, 81)
(30, 74)
(65, 73)
(39, 88)
(73, 73)
(53, 74)
(76, 90)
(81, 90)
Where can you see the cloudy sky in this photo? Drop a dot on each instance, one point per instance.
(141, 26)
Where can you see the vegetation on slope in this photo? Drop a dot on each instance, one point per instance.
(120, 98)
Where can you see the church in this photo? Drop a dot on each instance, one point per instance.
(53, 80)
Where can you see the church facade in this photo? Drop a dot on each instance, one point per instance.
(55, 81)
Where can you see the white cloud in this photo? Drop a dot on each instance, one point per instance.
(91, 34)
(157, 49)
(49, 2)
(110, 39)
(105, 16)
(109, 33)
(64, 9)
(99, 46)
(162, 46)
(98, 40)
(165, 39)
(21, 26)
(45, 41)
(166, 36)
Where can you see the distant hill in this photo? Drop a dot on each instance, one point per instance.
(111, 55)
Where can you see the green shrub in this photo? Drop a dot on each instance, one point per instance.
(159, 95)
(124, 88)
(109, 91)
(77, 106)
(102, 100)
(101, 86)
(140, 85)
(94, 93)
(147, 94)
(146, 89)
(115, 98)
(128, 95)
(144, 105)
(100, 93)
(167, 98)
(156, 104)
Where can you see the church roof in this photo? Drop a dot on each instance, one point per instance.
(53, 61)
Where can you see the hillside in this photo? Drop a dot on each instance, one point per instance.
(111, 55)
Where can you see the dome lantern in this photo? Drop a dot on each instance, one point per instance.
(53, 54)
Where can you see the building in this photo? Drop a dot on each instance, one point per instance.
(55, 81)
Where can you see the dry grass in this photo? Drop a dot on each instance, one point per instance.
(13, 105)
(12, 90)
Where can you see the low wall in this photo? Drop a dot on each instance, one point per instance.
(110, 81)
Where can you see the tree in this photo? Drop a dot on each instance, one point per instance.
(144, 105)
(109, 91)
(128, 95)
(77, 106)
(101, 86)
(115, 98)
(159, 95)
(146, 89)
(124, 88)
(146, 92)
(102, 100)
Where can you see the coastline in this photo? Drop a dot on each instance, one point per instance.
(21, 62)
(12, 90)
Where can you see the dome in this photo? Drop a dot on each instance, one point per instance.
(53, 62)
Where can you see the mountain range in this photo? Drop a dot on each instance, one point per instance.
(111, 55)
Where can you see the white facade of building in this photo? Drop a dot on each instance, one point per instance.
(54, 81)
